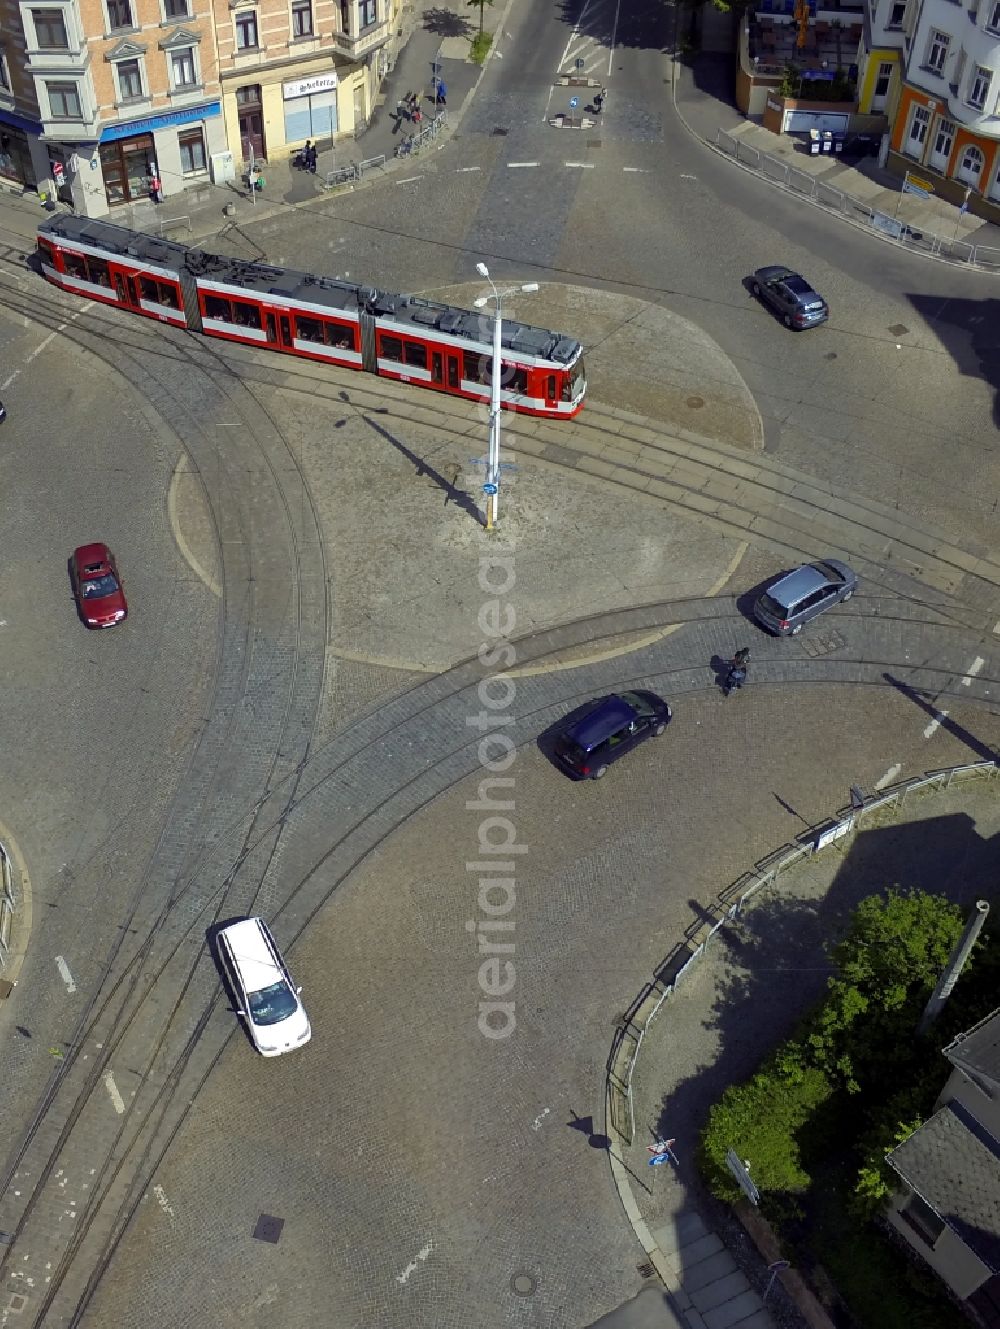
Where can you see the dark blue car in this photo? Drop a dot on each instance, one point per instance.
(608, 728)
(790, 296)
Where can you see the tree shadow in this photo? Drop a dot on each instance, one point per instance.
(446, 23)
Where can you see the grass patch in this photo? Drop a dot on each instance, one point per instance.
(480, 47)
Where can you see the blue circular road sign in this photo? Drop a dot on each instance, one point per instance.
(490, 489)
(574, 102)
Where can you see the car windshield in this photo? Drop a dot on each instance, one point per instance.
(639, 704)
(96, 588)
(798, 285)
(830, 573)
(273, 1004)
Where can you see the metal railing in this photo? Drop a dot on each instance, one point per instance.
(824, 195)
(8, 903)
(344, 175)
(632, 1026)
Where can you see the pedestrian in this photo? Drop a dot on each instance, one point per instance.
(155, 189)
(737, 674)
(302, 160)
(440, 93)
(311, 157)
(402, 113)
(599, 100)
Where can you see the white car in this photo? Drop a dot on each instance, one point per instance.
(265, 994)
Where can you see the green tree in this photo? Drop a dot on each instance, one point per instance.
(482, 10)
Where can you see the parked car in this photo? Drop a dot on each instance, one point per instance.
(265, 996)
(100, 597)
(796, 597)
(790, 296)
(607, 729)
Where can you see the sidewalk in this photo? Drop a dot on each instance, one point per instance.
(703, 98)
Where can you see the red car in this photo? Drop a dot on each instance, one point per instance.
(97, 586)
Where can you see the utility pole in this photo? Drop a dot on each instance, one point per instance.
(954, 967)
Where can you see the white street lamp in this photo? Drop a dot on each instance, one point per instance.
(492, 486)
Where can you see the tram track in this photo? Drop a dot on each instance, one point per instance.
(333, 808)
(260, 654)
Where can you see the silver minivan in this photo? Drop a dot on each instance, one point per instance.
(265, 995)
(795, 598)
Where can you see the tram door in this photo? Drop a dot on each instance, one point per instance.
(127, 290)
(550, 390)
(454, 373)
(280, 323)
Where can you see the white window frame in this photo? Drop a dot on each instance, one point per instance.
(979, 75)
(128, 27)
(199, 170)
(884, 72)
(895, 23)
(993, 22)
(143, 94)
(244, 14)
(939, 45)
(921, 116)
(971, 147)
(176, 18)
(4, 72)
(190, 53)
(67, 23)
(946, 129)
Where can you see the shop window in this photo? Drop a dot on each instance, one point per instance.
(192, 148)
(182, 69)
(120, 14)
(74, 266)
(302, 18)
(64, 101)
(129, 80)
(217, 308)
(246, 316)
(50, 29)
(176, 8)
(416, 355)
(246, 31)
(392, 348)
(98, 272)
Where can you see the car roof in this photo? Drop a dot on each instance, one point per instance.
(798, 285)
(250, 943)
(788, 590)
(607, 715)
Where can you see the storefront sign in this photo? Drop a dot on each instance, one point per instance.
(307, 87)
(165, 121)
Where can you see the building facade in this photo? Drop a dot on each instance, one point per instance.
(102, 99)
(947, 122)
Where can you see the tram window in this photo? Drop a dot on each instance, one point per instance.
(392, 348)
(149, 289)
(46, 250)
(74, 265)
(99, 273)
(168, 296)
(247, 316)
(453, 371)
(308, 329)
(416, 355)
(436, 366)
(550, 391)
(515, 380)
(341, 338)
(567, 389)
(216, 307)
(475, 367)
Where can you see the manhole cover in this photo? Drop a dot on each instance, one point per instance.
(830, 355)
(695, 403)
(898, 329)
(499, 133)
(523, 1285)
(645, 1269)
(268, 1229)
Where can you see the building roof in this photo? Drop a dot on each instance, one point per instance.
(953, 1164)
(977, 1051)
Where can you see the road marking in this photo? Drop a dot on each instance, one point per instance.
(974, 669)
(409, 180)
(117, 1102)
(935, 724)
(161, 1200)
(64, 974)
(464, 169)
(889, 776)
(514, 166)
(635, 170)
(688, 177)
(412, 1267)
(581, 166)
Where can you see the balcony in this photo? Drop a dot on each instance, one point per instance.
(367, 40)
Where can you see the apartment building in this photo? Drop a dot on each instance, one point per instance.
(293, 70)
(105, 93)
(100, 97)
(946, 125)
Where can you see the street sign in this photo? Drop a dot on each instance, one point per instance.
(739, 1171)
(490, 489)
(913, 184)
(657, 1159)
(574, 102)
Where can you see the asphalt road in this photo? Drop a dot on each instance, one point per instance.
(177, 772)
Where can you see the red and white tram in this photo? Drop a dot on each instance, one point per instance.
(322, 318)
